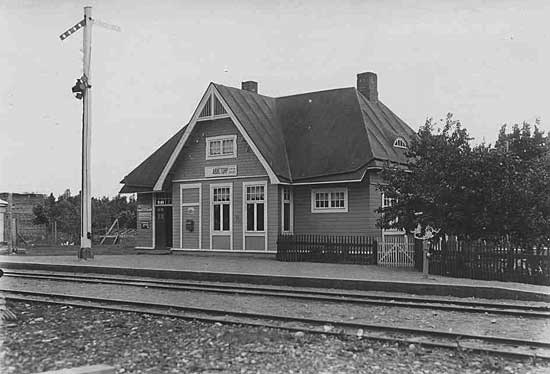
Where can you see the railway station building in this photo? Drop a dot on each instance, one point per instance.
(248, 167)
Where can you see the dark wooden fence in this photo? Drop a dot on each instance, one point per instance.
(327, 248)
(489, 261)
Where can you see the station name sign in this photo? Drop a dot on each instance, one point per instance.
(220, 171)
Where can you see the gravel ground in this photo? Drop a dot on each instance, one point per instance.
(48, 337)
(485, 324)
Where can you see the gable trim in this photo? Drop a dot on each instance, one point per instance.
(272, 177)
(212, 91)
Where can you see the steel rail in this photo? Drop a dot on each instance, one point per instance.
(442, 339)
(319, 296)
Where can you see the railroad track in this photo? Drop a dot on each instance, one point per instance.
(517, 348)
(340, 296)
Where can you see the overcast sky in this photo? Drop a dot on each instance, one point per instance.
(487, 62)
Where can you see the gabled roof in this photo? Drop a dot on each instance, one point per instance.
(383, 127)
(144, 176)
(258, 115)
(315, 137)
(324, 133)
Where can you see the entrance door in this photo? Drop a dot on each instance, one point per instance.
(163, 226)
(190, 217)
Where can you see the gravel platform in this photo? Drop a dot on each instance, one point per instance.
(49, 337)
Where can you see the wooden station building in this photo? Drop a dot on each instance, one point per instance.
(248, 167)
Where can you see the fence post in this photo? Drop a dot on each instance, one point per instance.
(425, 264)
(375, 251)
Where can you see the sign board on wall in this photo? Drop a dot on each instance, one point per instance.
(144, 215)
(220, 171)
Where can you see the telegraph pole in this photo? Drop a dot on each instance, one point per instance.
(83, 91)
(85, 195)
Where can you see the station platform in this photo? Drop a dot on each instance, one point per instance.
(267, 270)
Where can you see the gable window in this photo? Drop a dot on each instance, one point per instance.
(221, 147)
(400, 143)
(255, 207)
(329, 200)
(286, 214)
(206, 111)
(221, 209)
(212, 109)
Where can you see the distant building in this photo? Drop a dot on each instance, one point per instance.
(21, 207)
(248, 167)
(3, 206)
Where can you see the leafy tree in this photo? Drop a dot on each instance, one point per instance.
(65, 211)
(486, 191)
(44, 213)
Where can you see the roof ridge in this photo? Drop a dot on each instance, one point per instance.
(284, 96)
(314, 92)
(244, 91)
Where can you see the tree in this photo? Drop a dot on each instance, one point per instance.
(485, 191)
(65, 210)
(44, 214)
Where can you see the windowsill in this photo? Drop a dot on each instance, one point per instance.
(221, 232)
(340, 210)
(222, 157)
(210, 118)
(254, 233)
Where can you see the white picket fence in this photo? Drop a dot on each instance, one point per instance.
(396, 251)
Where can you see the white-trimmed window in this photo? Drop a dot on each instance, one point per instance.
(163, 198)
(221, 209)
(400, 143)
(255, 207)
(218, 147)
(386, 203)
(286, 211)
(329, 200)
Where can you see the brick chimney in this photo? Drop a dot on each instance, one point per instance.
(250, 86)
(367, 84)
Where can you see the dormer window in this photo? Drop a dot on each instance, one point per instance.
(212, 109)
(400, 143)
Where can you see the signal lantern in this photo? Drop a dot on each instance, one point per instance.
(79, 88)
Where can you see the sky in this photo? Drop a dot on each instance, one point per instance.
(487, 62)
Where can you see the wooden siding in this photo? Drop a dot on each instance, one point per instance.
(375, 202)
(144, 237)
(176, 216)
(363, 199)
(189, 168)
(255, 243)
(273, 212)
(273, 216)
(22, 210)
(191, 161)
